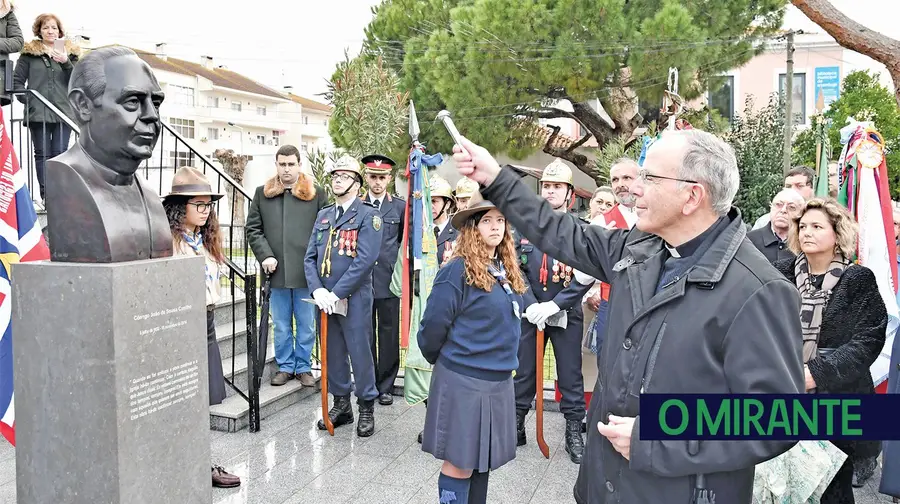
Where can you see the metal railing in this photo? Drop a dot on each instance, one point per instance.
(173, 151)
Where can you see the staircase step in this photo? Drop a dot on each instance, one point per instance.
(240, 369)
(234, 412)
(224, 313)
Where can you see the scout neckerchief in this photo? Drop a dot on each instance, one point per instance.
(196, 243)
(497, 269)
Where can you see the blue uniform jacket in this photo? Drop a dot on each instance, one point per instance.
(349, 273)
(392, 213)
(445, 243)
(567, 297)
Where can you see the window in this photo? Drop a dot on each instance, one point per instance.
(181, 158)
(261, 111)
(236, 106)
(261, 139)
(182, 95)
(183, 126)
(305, 119)
(721, 95)
(275, 135)
(212, 101)
(304, 148)
(212, 134)
(798, 95)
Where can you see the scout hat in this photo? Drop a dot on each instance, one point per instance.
(557, 171)
(476, 204)
(376, 164)
(346, 163)
(466, 187)
(440, 187)
(189, 181)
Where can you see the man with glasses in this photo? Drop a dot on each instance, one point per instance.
(800, 179)
(279, 223)
(342, 251)
(694, 308)
(771, 239)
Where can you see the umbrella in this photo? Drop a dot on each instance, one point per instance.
(701, 494)
(265, 294)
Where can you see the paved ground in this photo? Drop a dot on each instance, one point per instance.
(292, 462)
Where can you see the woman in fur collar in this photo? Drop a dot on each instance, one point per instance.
(45, 69)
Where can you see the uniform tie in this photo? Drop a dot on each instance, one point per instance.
(340, 212)
(377, 203)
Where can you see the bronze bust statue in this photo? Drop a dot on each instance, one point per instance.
(98, 211)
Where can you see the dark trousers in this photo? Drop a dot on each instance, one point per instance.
(349, 343)
(386, 352)
(48, 141)
(567, 349)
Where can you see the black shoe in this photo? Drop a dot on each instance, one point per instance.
(574, 441)
(420, 437)
(520, 427)
(340, 414)
(385, 399)
(366, 425)
(863, 470)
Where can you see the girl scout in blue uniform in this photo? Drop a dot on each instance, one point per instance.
(470, 332)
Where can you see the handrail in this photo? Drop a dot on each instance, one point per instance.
(66, 119)
(208, 161)
(237, 269)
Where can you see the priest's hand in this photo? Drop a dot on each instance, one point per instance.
(618, 432)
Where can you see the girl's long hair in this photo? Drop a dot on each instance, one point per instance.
(176, 210)
(475, 255)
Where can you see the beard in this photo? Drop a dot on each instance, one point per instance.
(627, 201)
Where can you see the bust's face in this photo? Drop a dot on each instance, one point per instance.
(127, 116)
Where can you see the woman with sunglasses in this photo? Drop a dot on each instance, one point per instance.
(470, 332)
(195, 232)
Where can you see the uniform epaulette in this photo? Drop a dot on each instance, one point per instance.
(327, 206)
(367, 203)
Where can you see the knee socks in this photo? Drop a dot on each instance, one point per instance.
(453, 490)
(478, 487)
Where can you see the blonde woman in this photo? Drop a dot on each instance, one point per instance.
(842, 315)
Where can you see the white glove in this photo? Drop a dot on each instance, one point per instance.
(269, 265)
(320, 296)
(331, 302)
(542, 312)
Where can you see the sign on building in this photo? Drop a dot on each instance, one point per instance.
(828, 83)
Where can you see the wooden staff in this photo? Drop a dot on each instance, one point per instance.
(539, 396)
(323, 355)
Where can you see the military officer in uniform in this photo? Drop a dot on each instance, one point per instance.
(465, 188)
(386, 307)
(442, 207)
(552, 292)
(342, 251)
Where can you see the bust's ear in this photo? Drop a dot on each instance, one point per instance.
(82, 106)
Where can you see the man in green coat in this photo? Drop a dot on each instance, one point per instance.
(281, 219)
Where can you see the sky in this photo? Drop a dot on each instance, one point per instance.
(276, 42)
(280, 42)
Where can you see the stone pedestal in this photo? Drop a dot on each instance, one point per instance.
(111, 382)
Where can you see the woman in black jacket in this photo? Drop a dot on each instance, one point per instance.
(43, 68)
(842, 315)
(11, 41)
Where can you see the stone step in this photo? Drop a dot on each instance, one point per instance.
(234, 412)
(241, 372)
(224, 312)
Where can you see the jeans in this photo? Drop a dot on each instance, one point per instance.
(292, 352)
(48, 140)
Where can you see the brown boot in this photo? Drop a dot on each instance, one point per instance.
(222, 479)
(281, 378)
(306, 379)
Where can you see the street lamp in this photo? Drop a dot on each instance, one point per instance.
(242, 135)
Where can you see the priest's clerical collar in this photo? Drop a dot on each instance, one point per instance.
(688, 248)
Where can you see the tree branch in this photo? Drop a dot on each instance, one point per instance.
(579, 160)
(855, 36)
(552, 113)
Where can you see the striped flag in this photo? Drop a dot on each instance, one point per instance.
(20, 241)
(864, 191)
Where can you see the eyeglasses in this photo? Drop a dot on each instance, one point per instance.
(645, 176)
(789, 207)
(202, 207)
(342, 176)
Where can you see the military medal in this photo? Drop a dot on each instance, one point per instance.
(555, 272)
(353, 243)
(343, 241)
